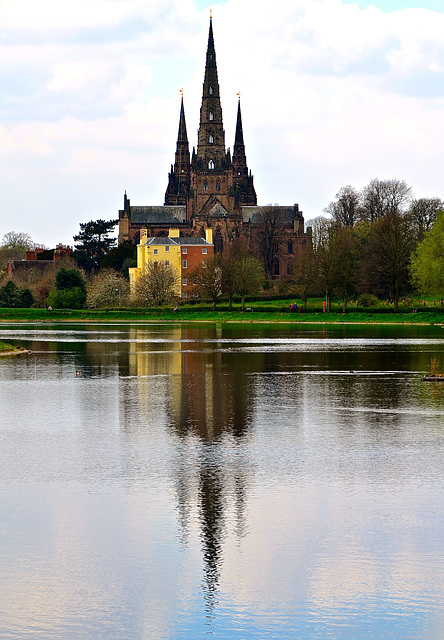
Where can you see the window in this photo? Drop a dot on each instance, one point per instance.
(184, 281)
(184, 264)
(290, 246)
(205, 186)
(194, 279)
(184, 250)
(204, 249)
(217, 185)
(211, 116)
(211, 139)
(184, 294)
(155, 264)
(167, 263)
(167, 248)
(211, 164)
(210, 91)
(195, 294)
(155, 252)
(204, 263)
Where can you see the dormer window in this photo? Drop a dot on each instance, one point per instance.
(211, 139)
(211, 116)
(211, 165)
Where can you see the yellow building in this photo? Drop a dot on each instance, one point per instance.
(181, 253)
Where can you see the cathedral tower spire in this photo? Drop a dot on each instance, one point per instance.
(179, 178)
(211, 135)
(239, 158)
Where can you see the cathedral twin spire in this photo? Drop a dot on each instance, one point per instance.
(211, 153)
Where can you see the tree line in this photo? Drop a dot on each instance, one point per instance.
(371, 243)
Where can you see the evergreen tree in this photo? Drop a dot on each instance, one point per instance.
(93, 243)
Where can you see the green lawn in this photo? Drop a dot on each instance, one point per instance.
(279, 312)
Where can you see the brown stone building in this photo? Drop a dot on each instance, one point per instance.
(213, 189)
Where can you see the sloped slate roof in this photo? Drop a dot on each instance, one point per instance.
(252, 214)
(161, 240)
(182, 240)
(159, 215)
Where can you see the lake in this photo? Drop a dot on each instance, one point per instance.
(234, 481)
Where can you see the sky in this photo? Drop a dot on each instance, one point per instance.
(333, 93)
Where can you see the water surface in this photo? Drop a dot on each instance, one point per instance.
(227, 481)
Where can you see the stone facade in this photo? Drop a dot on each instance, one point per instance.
(210, 189)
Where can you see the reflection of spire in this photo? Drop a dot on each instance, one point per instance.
(211, 521)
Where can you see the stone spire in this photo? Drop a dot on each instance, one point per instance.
(239, 158)
(211, 135)
(179, 178)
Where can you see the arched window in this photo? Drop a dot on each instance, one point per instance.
(211, 165)
(210, 91)
(217, 185)
(218, 242)
(290, 246)
(211, 139)
(289, 267)
(211, 116)
(276, 268)
(205, 186)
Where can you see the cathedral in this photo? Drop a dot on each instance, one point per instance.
(214, 189)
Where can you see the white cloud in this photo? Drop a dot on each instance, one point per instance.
(331, 95)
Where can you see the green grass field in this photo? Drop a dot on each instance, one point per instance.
(278, 312)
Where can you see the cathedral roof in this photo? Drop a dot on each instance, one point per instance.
(159, 215)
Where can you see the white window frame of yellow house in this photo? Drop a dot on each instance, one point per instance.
(155, 252)
(167, 263)
(167, 248)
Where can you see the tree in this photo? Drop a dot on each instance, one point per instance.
(270, 230)
(427, 265)
(19, 239)
(93, 243)
(347, 208)
(305, 273)
(120, 258)
(387, 256)
(345, 247)
(207, 278)
(326, 257)
(381, 197)
(249, 276)
(157, 285)
(423, 213)
(108, 288)
(70, 290)
(12, 296)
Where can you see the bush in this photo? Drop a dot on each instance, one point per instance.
(73, 298)
(368, 300)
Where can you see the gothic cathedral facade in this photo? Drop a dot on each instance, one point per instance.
(210, 188)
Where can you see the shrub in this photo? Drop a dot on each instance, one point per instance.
(368, 300)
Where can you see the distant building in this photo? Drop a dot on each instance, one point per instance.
(38, 259)
(183, 254)
(212, 189)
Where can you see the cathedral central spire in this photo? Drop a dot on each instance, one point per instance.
(211, 135)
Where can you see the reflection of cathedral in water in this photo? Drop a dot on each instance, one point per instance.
(207, 399)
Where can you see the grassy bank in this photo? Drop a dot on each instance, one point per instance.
(197, 314)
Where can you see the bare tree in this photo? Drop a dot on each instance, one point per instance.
(381, 197)
(207, 278)
(347, 208)
(106, 289)
(318, 229)
(270, 223)
(423, 213)
(387, 256)
(304, 275)
(14, 239)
